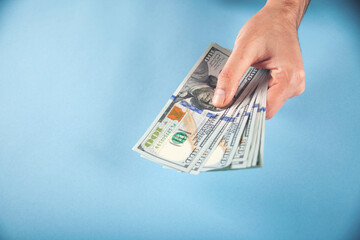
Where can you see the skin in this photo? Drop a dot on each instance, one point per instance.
(268, 40)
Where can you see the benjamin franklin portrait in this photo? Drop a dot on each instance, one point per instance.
(200, 88)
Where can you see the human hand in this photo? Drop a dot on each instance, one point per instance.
(268, 40)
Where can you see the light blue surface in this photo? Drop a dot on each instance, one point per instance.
(80, 82)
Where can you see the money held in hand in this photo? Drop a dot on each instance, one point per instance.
(191, 135)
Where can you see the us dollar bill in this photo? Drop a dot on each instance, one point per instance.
(246, 148)
(189, 129)
(257, 144)
(188, 118)
(229, 129)
(224, 153)
(220, 156)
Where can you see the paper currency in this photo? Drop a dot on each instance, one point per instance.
(191, 135)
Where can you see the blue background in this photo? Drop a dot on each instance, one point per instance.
(80, 82)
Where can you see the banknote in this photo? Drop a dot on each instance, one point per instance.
(246, 143)
(220, 157)
(228, 127)
(191, 135)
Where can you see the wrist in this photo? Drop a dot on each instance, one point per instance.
(291, 10)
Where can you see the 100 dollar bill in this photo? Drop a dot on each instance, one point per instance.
(188, 118)
(189, 127)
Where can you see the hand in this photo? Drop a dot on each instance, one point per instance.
(268, 40)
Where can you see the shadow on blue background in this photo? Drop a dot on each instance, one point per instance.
(80, 83)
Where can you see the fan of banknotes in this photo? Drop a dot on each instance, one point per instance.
(191, 135)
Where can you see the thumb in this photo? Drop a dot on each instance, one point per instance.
(229, 78)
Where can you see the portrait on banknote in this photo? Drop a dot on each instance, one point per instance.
(199, 89)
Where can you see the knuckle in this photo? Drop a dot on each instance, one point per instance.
(299, 89)
(298, 81)
(299, 76)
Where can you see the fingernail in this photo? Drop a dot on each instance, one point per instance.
(219, 97)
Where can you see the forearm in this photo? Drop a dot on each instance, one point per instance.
(294, 10)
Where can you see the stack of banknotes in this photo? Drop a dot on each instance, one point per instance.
(191, 135)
